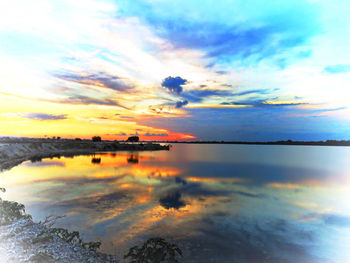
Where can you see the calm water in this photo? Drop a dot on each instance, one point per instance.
(219, 203)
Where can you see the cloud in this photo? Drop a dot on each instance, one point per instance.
(263, 103)
(337, 220)
(80, 99)
(180, 104)
(174, 84)
(156, 134)
(256, 91)
(46, 163)
(42, 116)
(237, 31)
(98, 80)
(121, 134)
(199, 95)
(335, 69)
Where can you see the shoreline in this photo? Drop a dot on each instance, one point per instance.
(22, 240)
(14, 152)
(26, 241)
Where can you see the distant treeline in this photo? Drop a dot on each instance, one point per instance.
(288, 142)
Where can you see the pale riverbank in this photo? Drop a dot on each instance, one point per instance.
(16, 151)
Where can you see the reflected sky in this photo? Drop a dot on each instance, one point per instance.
(220, 203)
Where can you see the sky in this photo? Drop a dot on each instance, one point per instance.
(175, 70)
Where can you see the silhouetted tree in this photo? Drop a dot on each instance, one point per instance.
(96, 139)
(96, 160)
(133, 139)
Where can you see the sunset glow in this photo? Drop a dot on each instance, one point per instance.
(175, 70)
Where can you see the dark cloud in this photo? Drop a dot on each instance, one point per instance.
(174, 84)
(42, 116)
(340, 68)
(99, 80)
(172, 200)
(180, 104)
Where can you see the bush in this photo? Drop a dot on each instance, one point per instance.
(154, 250)
(11, 211)
(133, 139)
(96, 139)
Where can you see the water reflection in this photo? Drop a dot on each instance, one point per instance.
(133, 158)
(241, 209)
(95, 160)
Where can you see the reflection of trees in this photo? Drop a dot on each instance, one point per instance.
(96, 160)
(36, 159)
(172, 200)
(133, 158)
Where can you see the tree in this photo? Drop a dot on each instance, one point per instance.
(154, 250)
(133, 139)
(96, 139)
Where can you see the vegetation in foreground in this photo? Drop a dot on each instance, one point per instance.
(154, 250)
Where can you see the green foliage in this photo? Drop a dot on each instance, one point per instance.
(11, 211)
(154, 250)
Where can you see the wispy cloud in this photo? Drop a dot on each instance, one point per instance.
(98, 80)
(263, 103)
(42, 116)
(84, 100)
(335, 69)
(156, 134)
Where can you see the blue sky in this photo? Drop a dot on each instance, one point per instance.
(207, 70)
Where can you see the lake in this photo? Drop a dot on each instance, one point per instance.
(219, 203)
